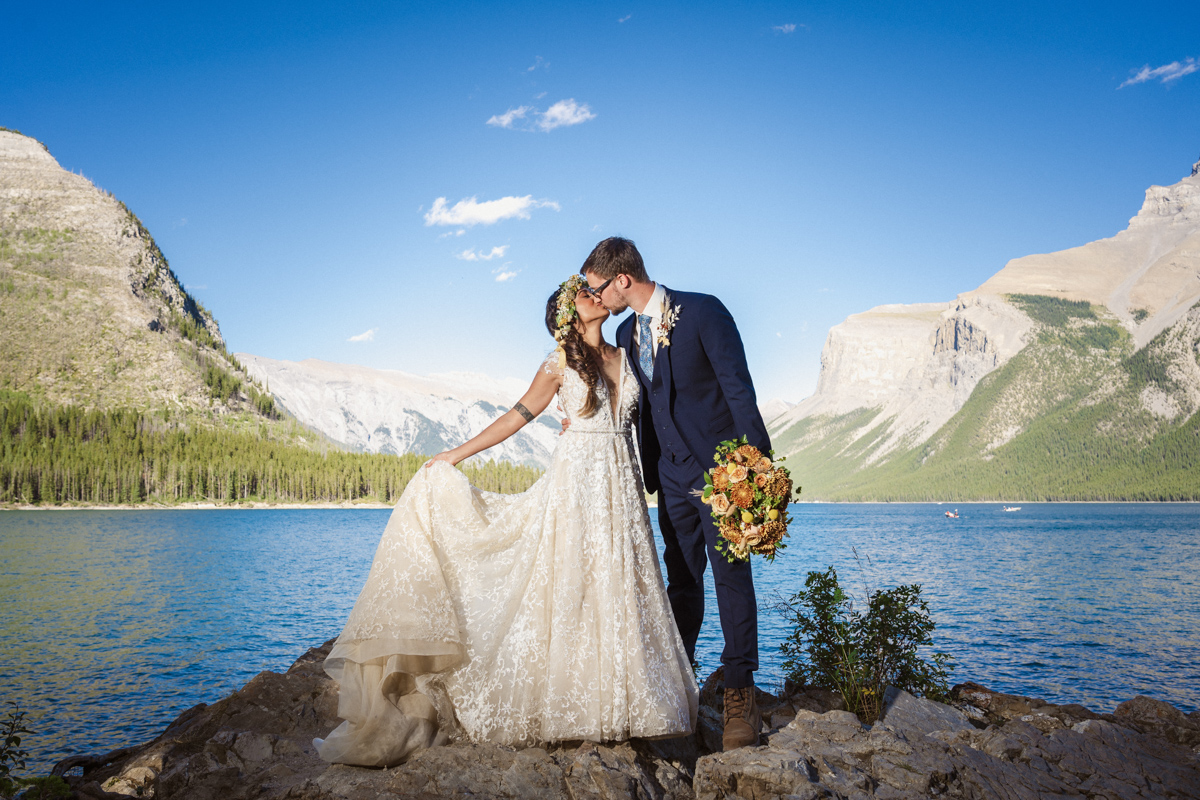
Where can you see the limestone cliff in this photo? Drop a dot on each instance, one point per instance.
(1108, 326)
(90, 311)
(1148, 275)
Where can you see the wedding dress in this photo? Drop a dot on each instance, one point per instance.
(516, 619)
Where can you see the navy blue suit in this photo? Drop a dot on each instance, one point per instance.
(701, 395)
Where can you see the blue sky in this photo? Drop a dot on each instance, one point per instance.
(802, 161)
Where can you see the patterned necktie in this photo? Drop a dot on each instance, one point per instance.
(645, 347)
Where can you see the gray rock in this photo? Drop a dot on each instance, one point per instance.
(922, 749)
(257, 743)
(915, 716)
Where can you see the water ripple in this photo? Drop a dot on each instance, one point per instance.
(116, 621)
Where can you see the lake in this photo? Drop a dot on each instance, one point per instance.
(115, 621)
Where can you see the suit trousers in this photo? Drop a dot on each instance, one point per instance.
(690, 538)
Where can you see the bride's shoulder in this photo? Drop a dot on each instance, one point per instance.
(553, 364)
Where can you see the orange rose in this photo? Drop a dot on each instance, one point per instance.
(736, 473)
(719, 503)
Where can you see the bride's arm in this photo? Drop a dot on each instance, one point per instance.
(532, 403)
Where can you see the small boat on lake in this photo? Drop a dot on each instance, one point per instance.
(1012, 508)
(952, 514)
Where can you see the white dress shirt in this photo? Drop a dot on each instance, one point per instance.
(654, 310)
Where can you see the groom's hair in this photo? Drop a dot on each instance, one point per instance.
(615, 256)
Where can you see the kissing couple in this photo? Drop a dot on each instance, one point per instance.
(543, 617)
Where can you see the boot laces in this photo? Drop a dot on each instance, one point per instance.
(736, 704)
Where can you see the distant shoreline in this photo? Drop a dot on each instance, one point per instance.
(255, 506)
(264, 506)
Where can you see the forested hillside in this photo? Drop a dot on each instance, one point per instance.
(116, 385)
(1078, 414)
(67, 455)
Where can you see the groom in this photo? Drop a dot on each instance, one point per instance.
(695, 393)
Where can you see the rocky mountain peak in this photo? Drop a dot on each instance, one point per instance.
(92, 313)
(14, 146)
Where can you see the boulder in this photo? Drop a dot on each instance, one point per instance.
(920, 748)
(257, 743)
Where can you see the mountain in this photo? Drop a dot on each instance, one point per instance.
(1069, 375)
(387, 411)
(91, 313)
(116, 386)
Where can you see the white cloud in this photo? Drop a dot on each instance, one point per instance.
(787, 28)
(470, 254)
(625, 18)
(502, 277)
(527, 118)
(365, 336)
(1166, 73)
(506, 119)
(538, 63)
(565, 112)
(471, 212)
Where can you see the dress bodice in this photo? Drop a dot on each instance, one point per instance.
(573, 392)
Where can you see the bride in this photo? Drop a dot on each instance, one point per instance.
(520, 619)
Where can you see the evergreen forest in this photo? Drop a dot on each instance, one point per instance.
(67, 455)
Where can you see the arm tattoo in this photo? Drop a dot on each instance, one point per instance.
(524, 412)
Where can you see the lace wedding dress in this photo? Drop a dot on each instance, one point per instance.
(517, 619)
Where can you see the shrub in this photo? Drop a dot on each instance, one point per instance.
(835, 646)
(12, 757)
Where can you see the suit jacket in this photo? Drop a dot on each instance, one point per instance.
(703, 372)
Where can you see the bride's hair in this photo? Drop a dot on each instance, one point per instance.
(580, 356)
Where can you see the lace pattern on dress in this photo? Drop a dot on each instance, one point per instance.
(545, 612)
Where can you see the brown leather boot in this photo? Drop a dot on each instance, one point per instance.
(742, 719)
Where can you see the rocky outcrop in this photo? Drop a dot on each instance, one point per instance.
(387, 411)
(257, 743)
(1004, 747)
(914, 366)
(1148, 275)
(92, 313)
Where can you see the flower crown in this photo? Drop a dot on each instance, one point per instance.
(567, 313)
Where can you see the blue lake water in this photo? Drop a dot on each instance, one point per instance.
(115, 621)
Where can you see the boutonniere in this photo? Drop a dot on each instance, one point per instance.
(666, 323)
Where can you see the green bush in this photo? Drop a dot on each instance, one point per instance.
(12, 756)
(50, 787)
(835, 646)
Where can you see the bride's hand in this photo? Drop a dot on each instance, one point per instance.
(447, 456)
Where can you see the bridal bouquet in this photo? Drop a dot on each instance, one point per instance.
(748, 494)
